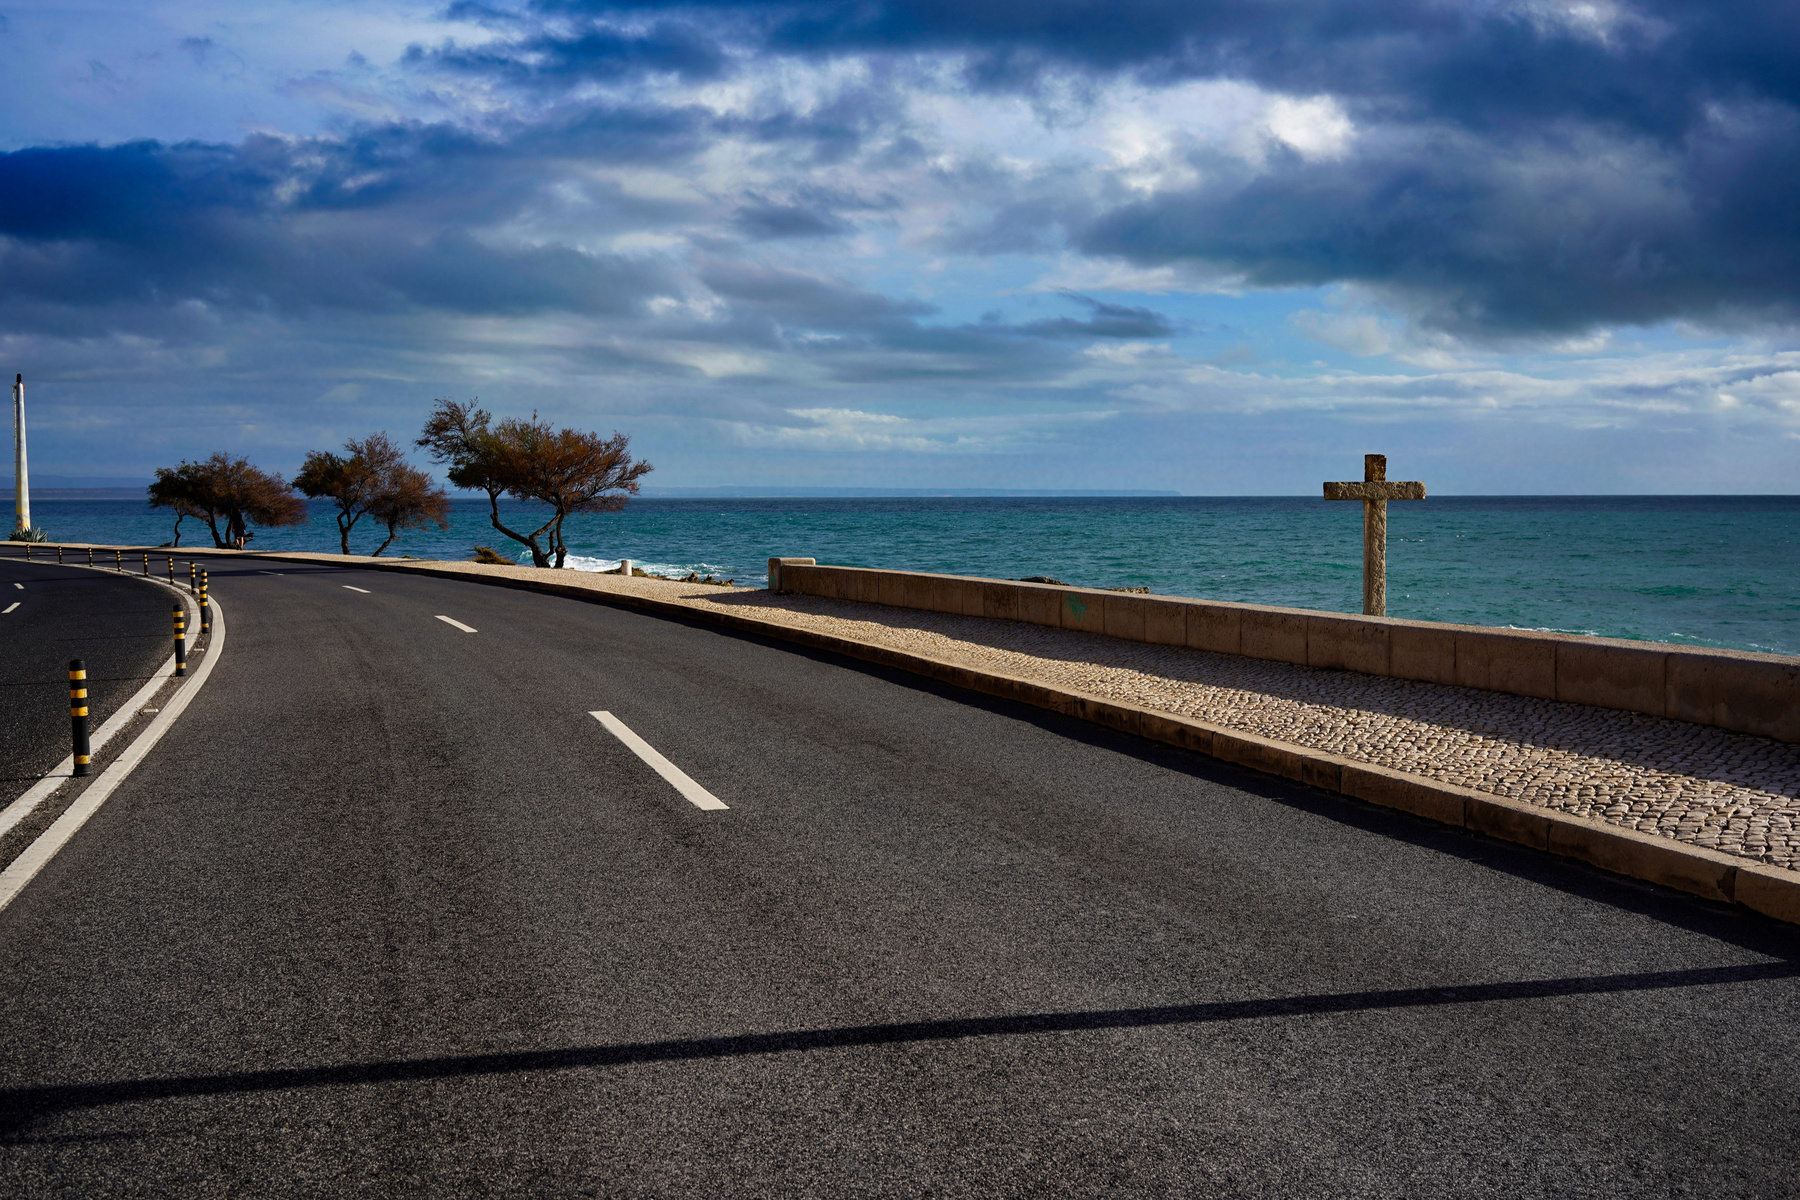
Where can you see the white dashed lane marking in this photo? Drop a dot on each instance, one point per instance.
(365, 591)
(698, 796)
(458, 624)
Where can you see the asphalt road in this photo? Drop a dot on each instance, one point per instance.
(120, 626)
(388, 913)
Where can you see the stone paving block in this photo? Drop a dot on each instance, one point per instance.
(1685, 868)
(1165, 621)
(1125, 617)
(1122, 717)
(1771, 891)
(1612, 676)
(1506, 662)
(1422, 652)
(1215, 627)
(1259, 754)
(1000, 601)
(1756, 693)
(1174, 731)
(1274, 634)
(1323, 771)
(1347, 644)
(1391, 789)
(886, 587)
(1519, 823)
(974, 597)
(1084, 610)
(1040, 604)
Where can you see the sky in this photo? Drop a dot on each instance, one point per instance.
(1214, 248)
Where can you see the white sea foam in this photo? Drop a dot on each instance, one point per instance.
(668, 570)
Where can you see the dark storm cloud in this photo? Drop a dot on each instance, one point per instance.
(379, 222)
(1518, 168)
(1652, 67)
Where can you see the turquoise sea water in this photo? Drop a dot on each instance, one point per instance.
(1713, 571)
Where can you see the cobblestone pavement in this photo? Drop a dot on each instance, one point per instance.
(1691, 783)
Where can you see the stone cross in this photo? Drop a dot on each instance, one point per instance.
(1375, 491)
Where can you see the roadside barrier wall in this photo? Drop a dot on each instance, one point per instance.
(1731, 689)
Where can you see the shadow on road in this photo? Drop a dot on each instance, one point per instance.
(21, 1106)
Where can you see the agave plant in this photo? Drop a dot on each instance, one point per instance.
(32, 534)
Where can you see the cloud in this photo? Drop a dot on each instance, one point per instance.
(1106, 321)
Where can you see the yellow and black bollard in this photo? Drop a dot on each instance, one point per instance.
(90, 556)
(205, 609)
(146, 564)
(78, 715)
(180, 640)
(27, 551)
(193, 580)
(59, 556)
(119, 561)
(171, 572)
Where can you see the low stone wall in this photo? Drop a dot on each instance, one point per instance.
(1737, 690)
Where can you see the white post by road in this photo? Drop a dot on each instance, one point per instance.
(21, 481)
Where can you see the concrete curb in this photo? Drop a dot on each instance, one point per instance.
(1768, 890)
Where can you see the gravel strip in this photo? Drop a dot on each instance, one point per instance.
(1709, 787)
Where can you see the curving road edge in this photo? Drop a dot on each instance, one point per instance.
(35, 856)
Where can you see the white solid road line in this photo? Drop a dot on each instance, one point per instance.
(10, 607)
(44, 788)
(27, 865)
(20, 586)
(458, 624)
(697, 795)
(364, 591)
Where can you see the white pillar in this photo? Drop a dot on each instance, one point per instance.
(21, 480)
(625, 565)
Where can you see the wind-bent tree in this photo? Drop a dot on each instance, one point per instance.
(352, 480)
(409, 499)
(227, 489)
(571, 471)
(175, 489)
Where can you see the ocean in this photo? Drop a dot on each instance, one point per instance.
(1701, 570)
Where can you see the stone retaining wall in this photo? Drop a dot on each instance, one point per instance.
(1737, 690)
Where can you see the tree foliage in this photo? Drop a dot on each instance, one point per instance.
(372, 478)
(568, 470)
(223, 488)
(410, 499)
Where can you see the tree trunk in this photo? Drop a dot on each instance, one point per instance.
(344, 532)
(538, 557)
(392, 534)
(177, 540)
(212, 523)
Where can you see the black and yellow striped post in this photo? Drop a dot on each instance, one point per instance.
(193, 580)
(27, 551)
(59, 556)
(205, 609)
(119, 561)
(78, 715)
(146, 564)
(180, 640)
(171, 572)
(90, 556)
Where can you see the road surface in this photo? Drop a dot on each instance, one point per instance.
(388, 912)
(120, 626)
